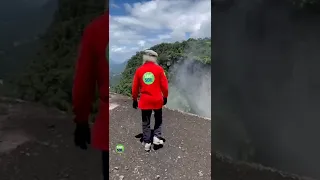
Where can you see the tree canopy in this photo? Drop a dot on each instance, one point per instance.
(169, 54)
(48, 79)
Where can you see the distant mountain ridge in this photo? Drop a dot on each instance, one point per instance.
(22, 23)
(116, 68)
(18, 14)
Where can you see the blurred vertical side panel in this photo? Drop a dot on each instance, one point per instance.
(39, 49)
(266, 89)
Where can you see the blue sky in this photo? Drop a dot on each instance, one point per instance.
(138, 25)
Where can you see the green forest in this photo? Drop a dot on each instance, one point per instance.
(169, 54)
(48, 78)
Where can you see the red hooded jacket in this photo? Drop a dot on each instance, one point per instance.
(150, 80)
(92, 70)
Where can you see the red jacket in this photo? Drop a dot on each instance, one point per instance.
(92, 70)
(150, 80)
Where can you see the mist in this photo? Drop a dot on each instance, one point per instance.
(266, 83)
(190, 87)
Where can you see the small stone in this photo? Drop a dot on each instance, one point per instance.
(158, 177)
(54, 146)
(116, 168)
(121, 177)
(126, 168)
(200, 173)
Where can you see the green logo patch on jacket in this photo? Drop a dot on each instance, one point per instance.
(148, 78)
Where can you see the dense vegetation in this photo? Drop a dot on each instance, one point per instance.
(169, 54)
(114, 80)
(19, 33)
(48, 79)
(115, 70)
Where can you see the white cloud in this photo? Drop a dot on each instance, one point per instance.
(152, 22)
(114, 5)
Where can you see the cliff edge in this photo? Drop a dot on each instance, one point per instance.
(36, 143)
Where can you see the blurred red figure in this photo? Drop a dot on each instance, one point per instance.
(152, 84)
(92, 70)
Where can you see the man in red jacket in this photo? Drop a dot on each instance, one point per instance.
(151, 82)
(92, 70)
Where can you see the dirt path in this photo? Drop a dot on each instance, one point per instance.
(36, 144)
(185, 155)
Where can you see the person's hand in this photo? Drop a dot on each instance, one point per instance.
(164, 101)
(82, 135)
(135, 104)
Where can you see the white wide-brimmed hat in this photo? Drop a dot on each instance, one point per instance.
(149, 55)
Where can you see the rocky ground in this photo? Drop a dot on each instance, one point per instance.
(226, 169)
(36, 144)
(185, 155)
